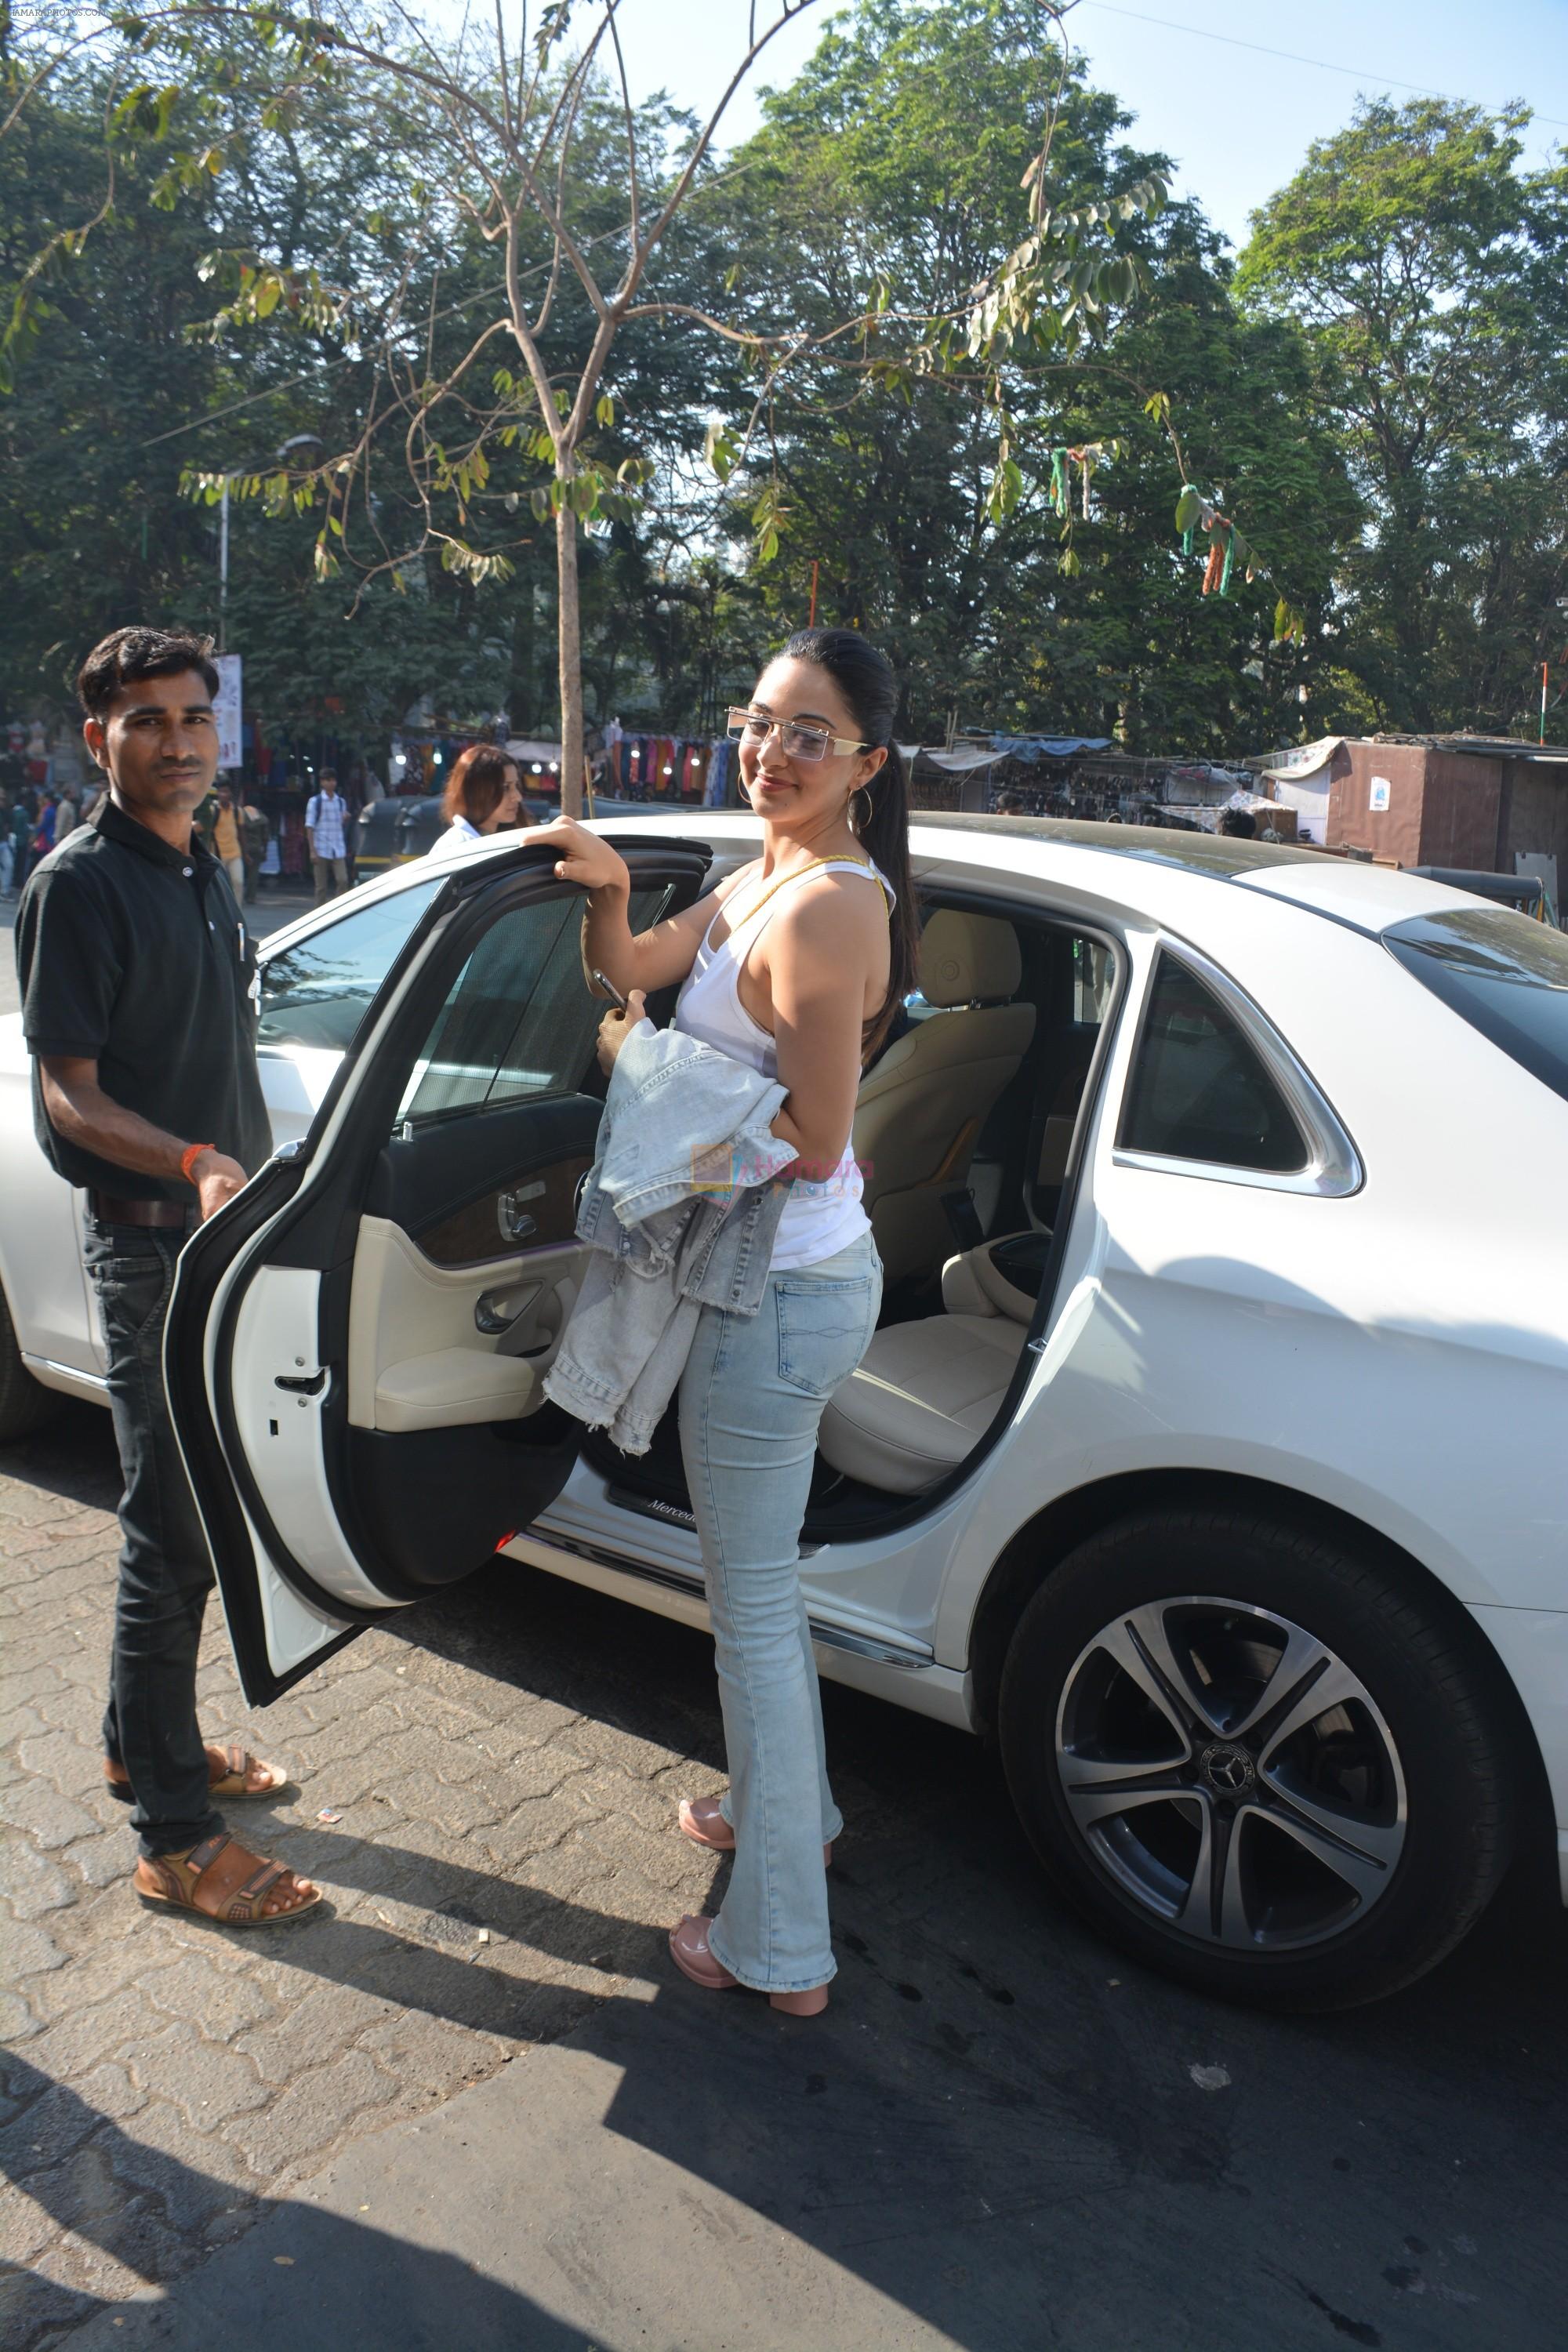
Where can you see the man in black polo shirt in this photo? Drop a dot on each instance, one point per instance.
(136, 975)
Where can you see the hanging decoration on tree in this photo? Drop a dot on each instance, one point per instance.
(1221, 557)
(1226, 549)
(1085, 457)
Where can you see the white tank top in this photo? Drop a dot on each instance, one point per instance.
(819, 1218)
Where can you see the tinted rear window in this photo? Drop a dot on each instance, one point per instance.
(1198, 1090)
(1504, 974)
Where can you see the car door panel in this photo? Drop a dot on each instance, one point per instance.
(449, 1184)
(377, 1326)
(283, 1397)
(506, 1313)
(279, 1625)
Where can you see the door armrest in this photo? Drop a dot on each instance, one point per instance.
(451, 1389)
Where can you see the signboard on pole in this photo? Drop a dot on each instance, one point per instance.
(226, 710)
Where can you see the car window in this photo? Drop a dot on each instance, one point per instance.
(316, 993)
(518, 1020)
(1504, 974)
(1080, 991)
(1094, 979)
(1199, 1090)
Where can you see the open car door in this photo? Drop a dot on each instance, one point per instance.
(355, 1346)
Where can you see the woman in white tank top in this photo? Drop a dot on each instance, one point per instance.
(795, 965)
(823, 1213)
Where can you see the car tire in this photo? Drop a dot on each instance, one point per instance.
(1326, 1857)
(24, 1403)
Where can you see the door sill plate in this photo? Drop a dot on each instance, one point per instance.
(909, 1657)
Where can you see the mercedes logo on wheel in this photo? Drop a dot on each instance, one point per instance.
(1226, 1767)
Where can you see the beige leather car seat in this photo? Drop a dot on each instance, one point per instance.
(919, 1111)
(925, 1394)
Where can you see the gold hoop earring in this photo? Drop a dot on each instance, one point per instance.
(857, 824)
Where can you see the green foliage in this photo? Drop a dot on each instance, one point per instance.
(939, 500)
(1427, 277)
(131, 410)
(977, 373)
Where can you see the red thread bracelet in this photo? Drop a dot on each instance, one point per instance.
(192, 1151)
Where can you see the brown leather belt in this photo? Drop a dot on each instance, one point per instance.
(110, 1211)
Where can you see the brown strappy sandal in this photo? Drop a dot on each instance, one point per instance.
(228, 1776)
(220, 1881)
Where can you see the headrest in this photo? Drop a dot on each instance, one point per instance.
(968, 959)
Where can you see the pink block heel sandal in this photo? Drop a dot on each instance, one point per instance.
(689, 1950)
(704, 1825)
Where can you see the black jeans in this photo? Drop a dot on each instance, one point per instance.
(166, 1574)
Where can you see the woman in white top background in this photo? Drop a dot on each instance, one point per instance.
(483, 794)
(797, 965)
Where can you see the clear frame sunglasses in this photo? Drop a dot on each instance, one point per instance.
(799, 738)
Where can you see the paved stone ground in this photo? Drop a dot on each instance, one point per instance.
(497, 1859)
(375, 2129)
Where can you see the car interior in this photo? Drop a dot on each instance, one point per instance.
(964, 1127)
(456, 1267)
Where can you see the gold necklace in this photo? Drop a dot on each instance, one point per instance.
(796, 876)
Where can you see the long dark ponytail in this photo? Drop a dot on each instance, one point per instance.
(866, 679)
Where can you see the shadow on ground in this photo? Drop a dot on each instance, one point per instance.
(425, 2289)
(1011, 2132)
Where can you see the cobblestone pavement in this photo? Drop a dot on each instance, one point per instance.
(997, 2123)
(496, 1860)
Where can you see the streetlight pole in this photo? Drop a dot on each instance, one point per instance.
(222, 565)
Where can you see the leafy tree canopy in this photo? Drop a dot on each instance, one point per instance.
(1427, 275)
(860, 354)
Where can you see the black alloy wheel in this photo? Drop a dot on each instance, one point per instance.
(1257, 1762)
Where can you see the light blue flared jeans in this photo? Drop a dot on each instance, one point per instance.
(752, 1396)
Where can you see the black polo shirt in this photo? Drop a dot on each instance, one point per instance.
(134, 955)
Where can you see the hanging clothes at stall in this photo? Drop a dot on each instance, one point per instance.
(292, 841)
(716, 794)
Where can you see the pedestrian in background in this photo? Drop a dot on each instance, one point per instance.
(226, 841)
(352, 798)
(42, 839)
(137, 1006)
(254, 833)
(483, 794)
(324, 817)
(20, 836)
(66, 818)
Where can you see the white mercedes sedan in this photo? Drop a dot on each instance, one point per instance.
(1211, 1457)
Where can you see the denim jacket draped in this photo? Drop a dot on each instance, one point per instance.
(679, 1212)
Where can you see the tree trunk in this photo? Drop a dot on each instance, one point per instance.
(569, 640)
